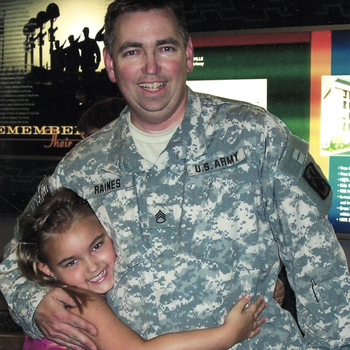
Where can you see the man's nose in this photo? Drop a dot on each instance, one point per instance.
(151, 64)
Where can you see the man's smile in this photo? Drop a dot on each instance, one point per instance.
(152, 86)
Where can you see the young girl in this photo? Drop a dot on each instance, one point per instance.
(64, 245)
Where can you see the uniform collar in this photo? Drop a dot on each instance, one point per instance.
(189, 141)
(194, 128)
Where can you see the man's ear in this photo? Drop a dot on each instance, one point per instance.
(189, 56)
(44, 268)
(109, 65)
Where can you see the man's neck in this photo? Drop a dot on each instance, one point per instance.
(156, 128)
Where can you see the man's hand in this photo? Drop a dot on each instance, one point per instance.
(278, 293)
(61, 326)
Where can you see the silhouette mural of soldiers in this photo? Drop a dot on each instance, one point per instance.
(90, 55)
(72, 58)
(57, 61)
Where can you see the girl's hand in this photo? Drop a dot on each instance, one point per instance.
(243, 322)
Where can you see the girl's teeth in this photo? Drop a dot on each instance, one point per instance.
(96, 278)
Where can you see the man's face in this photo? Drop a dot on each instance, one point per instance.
(150, 65)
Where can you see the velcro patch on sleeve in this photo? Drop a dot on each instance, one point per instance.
(299, 164)
(316, 181)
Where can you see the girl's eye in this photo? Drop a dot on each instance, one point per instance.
(97, 246)
(71, 263)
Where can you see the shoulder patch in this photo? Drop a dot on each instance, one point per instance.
(316, 181)
(299, 164)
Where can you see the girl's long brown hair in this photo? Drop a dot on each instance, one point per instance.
(58, 213)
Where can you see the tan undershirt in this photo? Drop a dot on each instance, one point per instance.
(150, 146)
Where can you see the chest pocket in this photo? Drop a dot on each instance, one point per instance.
(221, 209)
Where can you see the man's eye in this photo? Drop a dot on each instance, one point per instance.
(167, 49)
(130, 53)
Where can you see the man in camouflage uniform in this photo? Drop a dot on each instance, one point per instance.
(205, 196)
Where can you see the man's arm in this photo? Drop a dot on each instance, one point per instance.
(62, 326)
(22, 296)
(297, 201)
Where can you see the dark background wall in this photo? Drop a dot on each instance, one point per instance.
(211, 15)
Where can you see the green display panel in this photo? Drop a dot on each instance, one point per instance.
(285, 66)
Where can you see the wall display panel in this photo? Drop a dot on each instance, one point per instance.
(253, 91)
(334, 141)
(330, 77)
(51, 71)
(285, 67)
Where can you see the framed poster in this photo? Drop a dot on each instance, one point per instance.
(51, 71)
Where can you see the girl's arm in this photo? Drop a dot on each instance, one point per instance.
(241, 323)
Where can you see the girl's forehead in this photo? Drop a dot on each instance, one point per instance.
(86, 228)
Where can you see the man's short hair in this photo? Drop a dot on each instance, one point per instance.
(119, 7)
